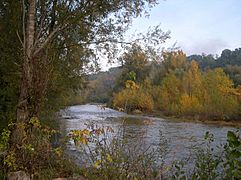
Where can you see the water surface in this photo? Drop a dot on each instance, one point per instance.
(177, 138)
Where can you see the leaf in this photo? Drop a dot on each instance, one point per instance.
(183, 178)
(97, 163)
(236, 154)
(109, 158)
(86, 132)
(231, 136)
(237, 173)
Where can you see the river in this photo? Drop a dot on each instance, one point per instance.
(176, 137)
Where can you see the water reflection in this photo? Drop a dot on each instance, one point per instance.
(171, 139)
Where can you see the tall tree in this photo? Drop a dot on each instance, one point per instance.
(62, 24)
(220, 101)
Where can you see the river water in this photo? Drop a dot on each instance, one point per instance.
(176, 137)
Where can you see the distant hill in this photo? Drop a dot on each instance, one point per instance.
(100, 85)
(229, 60)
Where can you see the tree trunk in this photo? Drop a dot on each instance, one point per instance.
(26, 89)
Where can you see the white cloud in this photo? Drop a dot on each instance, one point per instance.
(209, 46)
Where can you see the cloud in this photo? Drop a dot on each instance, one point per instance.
(209, 46)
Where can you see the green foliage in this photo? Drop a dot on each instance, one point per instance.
(35, 154)
(233, 156)
(132, 76)
(135, 61)
(10, 59)
(234, 72)
(62, 52)
(4, 140)
(10, 161)
(211, 164)
(207, 164)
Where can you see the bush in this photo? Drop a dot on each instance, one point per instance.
(130, 100)
(30, 150)
(190, 105)
(109, 157)
(211, 164)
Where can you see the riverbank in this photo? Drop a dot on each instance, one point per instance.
(173, 136)
(159, 114)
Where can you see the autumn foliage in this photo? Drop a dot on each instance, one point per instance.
(184, 90)
(133, 98)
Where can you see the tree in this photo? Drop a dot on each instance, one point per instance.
(191, 101)
(193, 80)
(175, 62)
(135, 61)
(54, 42)
(61, 24)
(60, 40)
(9, 60)
(220, 101)
(170, 94)
(234, 72)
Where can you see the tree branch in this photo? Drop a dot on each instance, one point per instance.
(49, 38)
(22, 43)
(24, 38)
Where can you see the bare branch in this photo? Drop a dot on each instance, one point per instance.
(24, 38)
(22, 43)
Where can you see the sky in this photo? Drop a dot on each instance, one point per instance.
(197, 26)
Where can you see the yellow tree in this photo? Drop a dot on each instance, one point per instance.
(133, 98)
(191, 101)
(192, 81)
(170, 94)
(174, 61)
(220, 101)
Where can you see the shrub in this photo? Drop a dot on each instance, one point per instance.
(109, 157)
(130, 100)
(34, 154)
(211, 164)
(190, 105)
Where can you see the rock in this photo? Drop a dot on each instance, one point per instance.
(19, 175)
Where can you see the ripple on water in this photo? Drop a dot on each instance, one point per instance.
(177, 137)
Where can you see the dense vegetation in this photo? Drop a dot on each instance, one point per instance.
(175, 85)
(229, 60)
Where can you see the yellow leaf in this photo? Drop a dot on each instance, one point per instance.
(97, 163)
(109, 158)
(86, 132)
